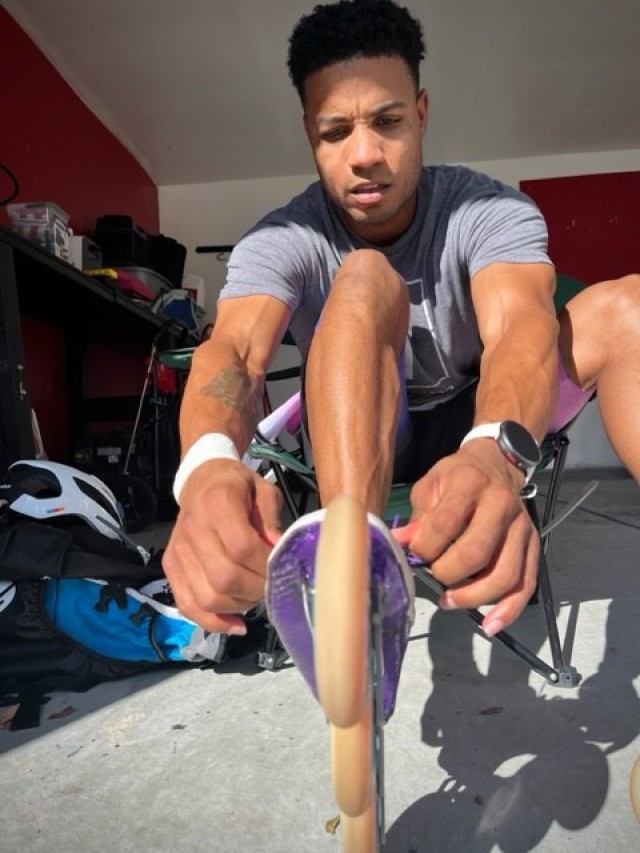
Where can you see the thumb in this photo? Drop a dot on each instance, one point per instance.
(268, 530)
(403, 535)
(271, 535)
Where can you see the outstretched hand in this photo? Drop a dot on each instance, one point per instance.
(471, 525)
(217, 555)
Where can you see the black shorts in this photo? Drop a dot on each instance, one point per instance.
(428, 436)
(433, 435)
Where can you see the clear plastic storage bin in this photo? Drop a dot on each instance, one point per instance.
(44, 223)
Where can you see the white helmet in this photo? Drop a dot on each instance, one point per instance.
(48, 490)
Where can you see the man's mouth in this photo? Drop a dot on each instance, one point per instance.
(369, 193)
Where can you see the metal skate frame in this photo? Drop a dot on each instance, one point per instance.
(378, 712)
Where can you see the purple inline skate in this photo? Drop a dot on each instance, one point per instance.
(340, 594)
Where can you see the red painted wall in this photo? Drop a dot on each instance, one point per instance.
(57, 148)
(60, 152)
(593, 223)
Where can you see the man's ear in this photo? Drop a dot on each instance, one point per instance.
(422, 104)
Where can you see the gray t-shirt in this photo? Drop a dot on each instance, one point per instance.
(464, 221)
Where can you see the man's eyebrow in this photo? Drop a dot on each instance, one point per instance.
(328, 119)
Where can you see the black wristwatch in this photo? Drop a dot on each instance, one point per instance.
(516, 443)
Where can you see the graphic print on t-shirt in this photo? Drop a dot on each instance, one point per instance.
(426, 372)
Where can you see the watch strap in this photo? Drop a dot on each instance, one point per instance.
(493, 430)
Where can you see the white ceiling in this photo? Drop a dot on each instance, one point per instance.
(198, 89)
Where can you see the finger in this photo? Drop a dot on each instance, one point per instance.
(511, 605)
(222, 535)
(272, 536)
(442, 523)
(212, 612)
(488, 529)
(218, 623)
(207, 589)
(403, 535)
(267, 512)
(220, 584)
(242, 536)
(189, 607)
(510, 581)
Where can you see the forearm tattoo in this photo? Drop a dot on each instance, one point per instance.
(237, 390)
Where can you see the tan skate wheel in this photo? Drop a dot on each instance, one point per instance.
(352, 765)
(341, 612)
(634, 788)
(360, 834)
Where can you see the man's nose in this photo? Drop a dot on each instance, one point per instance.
(365, 148)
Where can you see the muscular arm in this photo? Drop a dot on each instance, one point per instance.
(216, 557)
(469, 520)
(516, 320)
(226, 380)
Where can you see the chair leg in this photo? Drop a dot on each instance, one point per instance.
(567, 675)
(273, 656)
(560, 448)
(294, 510)
(551, 673)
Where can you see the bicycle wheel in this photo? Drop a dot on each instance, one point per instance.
(138, 500)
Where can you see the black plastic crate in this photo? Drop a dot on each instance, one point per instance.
(123, 243)
(167, 257)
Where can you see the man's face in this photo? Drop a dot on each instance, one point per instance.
(365, 125)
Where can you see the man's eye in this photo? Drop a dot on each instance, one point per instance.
(388, 121)
(334, 135)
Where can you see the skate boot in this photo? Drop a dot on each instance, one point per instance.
(341, 596)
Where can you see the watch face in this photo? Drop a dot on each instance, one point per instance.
(519, 443)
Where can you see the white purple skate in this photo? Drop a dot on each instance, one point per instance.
(340, 594)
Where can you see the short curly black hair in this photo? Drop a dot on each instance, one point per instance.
(334, 32)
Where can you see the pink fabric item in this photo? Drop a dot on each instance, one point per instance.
(571, 400)
(287, 415)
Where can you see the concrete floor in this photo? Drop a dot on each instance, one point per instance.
(481, 754)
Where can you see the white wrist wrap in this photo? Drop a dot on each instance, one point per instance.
(212, 445)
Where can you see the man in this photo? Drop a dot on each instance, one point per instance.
(401, 285)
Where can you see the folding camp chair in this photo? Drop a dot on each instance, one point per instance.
(297, 482)
(285, 463)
